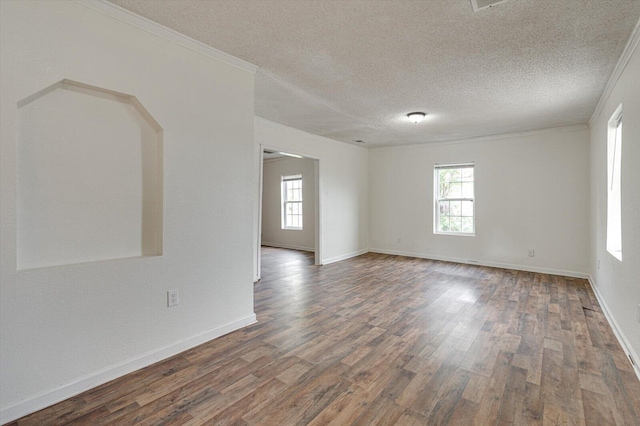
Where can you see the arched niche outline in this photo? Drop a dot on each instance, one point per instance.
(89, 177)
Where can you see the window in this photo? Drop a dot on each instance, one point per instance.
(454, 199)
(614, 190)
(292, 202)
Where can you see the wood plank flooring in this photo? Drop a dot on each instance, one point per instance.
(382, 339)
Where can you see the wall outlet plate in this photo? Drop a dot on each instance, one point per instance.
(172, 297)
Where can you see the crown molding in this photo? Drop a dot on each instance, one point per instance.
(561, 129)
(499, 136)
(126, 16)
(303, 133)
(617, 72)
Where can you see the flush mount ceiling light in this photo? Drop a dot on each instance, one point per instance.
(416, 117)
(479, 5)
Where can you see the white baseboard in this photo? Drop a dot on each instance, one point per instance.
(344, 256)
(516, 267)
(616, 329)
(48, 398)
(288, 246)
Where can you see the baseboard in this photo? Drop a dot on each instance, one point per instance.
(288, 246)
(344, 256)
(516, 267)
(48, 398)
(616, 329)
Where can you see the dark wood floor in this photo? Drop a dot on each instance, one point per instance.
(383, 339)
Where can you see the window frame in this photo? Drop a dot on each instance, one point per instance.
(285, 181)
(614, 184)
(437, 199)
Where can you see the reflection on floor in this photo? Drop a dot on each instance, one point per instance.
(382, 339)
(279, 264)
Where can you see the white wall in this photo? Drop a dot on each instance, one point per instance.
(344, 189)
(272, 232)
(532, 191)
(618, 282)
(67, 328)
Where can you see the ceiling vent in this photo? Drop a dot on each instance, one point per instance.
(479, 5)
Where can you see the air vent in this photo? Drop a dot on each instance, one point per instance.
(479, 5)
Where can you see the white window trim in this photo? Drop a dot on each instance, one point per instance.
(285, 202)
(436, 200)
(614, 179)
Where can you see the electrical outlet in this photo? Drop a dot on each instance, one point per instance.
(532, 253)
(598, 264)
(399, 240)
(639, 312)
(172, 297)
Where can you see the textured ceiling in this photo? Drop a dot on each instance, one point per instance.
(350, 70)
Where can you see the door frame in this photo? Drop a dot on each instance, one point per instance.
(317, 209)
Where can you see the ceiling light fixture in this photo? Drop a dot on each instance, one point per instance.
(479, 5)
(416, 117)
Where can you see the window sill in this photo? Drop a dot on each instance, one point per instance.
(616, 253)
(292, 229)
(458, 234)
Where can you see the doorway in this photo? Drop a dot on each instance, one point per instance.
(289, 203)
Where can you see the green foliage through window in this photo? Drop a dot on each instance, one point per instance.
(454, 197)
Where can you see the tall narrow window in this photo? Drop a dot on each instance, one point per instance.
(292, 202)
(614, 190)
(454, 199)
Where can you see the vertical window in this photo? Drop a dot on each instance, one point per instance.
(292, 202)
(614, 190)
(454, 199)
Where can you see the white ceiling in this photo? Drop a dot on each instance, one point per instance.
(350, 70)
